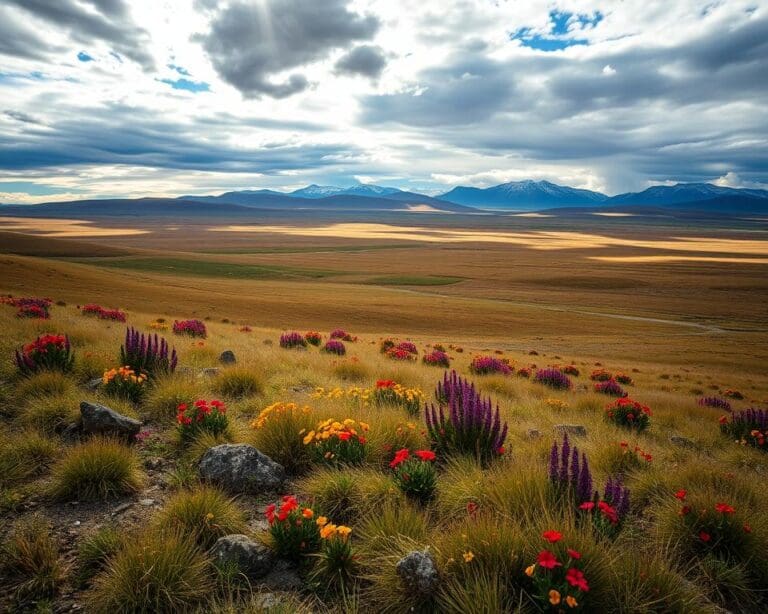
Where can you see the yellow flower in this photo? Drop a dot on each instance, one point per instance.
(328, 531)
(208, 517)
(344, 531)
(468, 556)
(529, 570)
(554, 597)
(321, 521)
(571, 601)
(309, 437)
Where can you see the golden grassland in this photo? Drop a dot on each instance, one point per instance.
(647, 569)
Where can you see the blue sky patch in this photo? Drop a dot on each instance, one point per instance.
(179, 69)
(31, 188)
(84, 57)
(186, 84)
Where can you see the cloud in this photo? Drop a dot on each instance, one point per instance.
(252, 46)
(365, 60)
(108, 21)
(20, 116)
(18, 40)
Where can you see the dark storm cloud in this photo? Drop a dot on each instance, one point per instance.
(104, 20)
(364, 60)
(20, 116)
(18, 40)
(251, 44)
(119, 134)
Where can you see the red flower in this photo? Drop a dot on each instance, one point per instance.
(587, 505)
(573, 554)
(385, 383)
(425, 455)
(747, 528)
(576, 578)
(723, 420)
(680, 494)
(547, 560)
(344, 436)
(704, 536)
(400, 456)
(685, 510)
(724, 508)
(472, 508)
(609, 512)
(552, 536)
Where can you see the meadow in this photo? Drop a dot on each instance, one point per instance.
(404, 489)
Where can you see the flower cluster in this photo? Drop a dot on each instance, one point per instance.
(715, 402)
(340, 333)
(202, 415)
(32, 312)
(292, 340)
(33, 308)
(92, 309)
(558, 583)
(335, 442)
(625, 379)
(158, 324)
(554, 378)
(556, 404)
(313, 338)
(747, 427)
(415, 473)
(571, 370)
(334, 346)
(397, 353)
(275, 410)
(525, 372)
(437, 358)
(610, 387)
(147, 353)
(600, 375)
(569, 472)
(633, 458)
(483, 365)
(191, 328)
(733, 394)
(628, 413)
(608, 513)
(713, 529)
(125, 382)
(293, 527)
(47, 352)
(464, 422)
(389, 392)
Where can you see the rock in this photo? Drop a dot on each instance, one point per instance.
(283, 577)
(227, 357)
(122, 507)
(147, 502)
(683, 442)
(533, 433)
(241, 469)
(418, 572)
(71, 434)
(210, 372)
(251, 558)
(101, 420)
(571, 429)
(94, 383)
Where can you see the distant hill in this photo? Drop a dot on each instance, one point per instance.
(523, 195)
(161, 207)
(323, 191)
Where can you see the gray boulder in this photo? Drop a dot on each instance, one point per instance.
(101, 420)
(571, 429)
(241, 469)
(251, 558)
(418, 573)
(227, 357)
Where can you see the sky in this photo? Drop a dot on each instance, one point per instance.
(119, 98)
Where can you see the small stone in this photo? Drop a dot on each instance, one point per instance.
(418, 573)
(571, 429)
(122, 507)
(227, 357)
(147, 502)
(250, 557)
(101, 420)
(241, 469)
(533, 433)
(94, 383)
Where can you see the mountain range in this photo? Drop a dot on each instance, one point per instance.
(521, 196)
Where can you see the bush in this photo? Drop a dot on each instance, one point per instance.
(96, 470)
(148, 354)
(237, 382)
(279, 430)
(390, 393)
(600, 375)
(629, 414)
(31, 560)
(415, 475)
(747, 427)
(201, 417)
(437, 358)
(554, 378)
(294, 529)
(463, 422)
(483, 365)
(190, 328)
(125, 383)
(203, 514)
(156, 573)
(340, 333)
(335, 347)
(292, 340)
(46, 353)
(611, 388)
(313, 338)
(333, 442)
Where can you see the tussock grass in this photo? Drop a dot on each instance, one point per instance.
(155, 573)
(24, 455)
(351, 371)
(31, 560)
(166, 394)
(50, 414)
(44, 384)
(94, 551)
(204, 514)
(99, 469)
(237, 382)
(281, 439)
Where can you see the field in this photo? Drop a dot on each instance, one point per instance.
(675, 310)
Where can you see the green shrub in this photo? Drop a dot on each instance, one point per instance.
(96, 470)
(156, 573)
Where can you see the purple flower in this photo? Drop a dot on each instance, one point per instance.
(292, 340)
(554, 378)
(147, 353)
(716, 402)
(482, 365)
(610, 387)
(335, 347)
